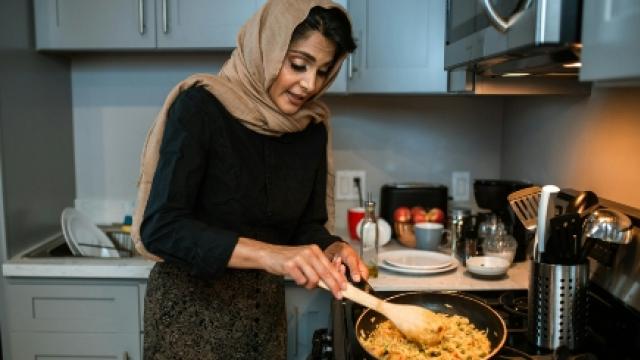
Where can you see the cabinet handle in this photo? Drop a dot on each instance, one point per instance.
(141, 17)
(165, 23)
(295, 331)
(350, 66)
(125, 356)
(497, 21)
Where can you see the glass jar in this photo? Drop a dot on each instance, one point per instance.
(501, 244)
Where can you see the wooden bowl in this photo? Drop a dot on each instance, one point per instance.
(405, 234)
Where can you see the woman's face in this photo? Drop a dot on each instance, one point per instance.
(303, 73)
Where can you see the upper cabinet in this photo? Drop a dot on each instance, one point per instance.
(201, 23)
(140, 24)
(400, 46)
(611, 41)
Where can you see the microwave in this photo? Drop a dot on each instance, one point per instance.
(511, 38)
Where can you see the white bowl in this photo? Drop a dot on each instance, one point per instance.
(487, 265)
(384, 231)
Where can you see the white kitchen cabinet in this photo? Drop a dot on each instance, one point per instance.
(400, 46)
(202, 23)
(94, 24)
(62, 346)
(611, 41)
(307, 311)
(140, 24)
(72, 319)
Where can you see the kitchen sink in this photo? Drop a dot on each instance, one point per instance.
(56, 246)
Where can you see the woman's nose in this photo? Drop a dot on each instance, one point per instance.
(308, 82)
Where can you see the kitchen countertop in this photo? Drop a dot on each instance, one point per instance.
(517, 276)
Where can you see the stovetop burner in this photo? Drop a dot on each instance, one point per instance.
(603, 341)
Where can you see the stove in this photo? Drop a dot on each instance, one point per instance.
(613, 330)
(612, 309)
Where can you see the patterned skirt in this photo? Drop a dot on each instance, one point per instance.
(238, 315)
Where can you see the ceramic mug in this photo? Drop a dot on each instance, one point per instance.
(428, 235)
(354, 215)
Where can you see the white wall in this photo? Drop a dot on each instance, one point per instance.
(588, 143)
(415, 138)
(392, 138)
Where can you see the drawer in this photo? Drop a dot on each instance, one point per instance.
(70, 346)
(73, 308)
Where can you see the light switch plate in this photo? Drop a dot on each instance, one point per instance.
(460, 185)
(345, 186)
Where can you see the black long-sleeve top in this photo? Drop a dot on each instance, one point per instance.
(217, 180)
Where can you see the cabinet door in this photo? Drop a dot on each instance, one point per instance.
(94, 24)
(73, 346)
(611, 40)
(339, 85)
(400, 46)
(307, 311)
(202, 23)
(73, 308)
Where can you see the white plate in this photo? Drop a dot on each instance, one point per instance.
(487, 265)
(416, 259)
(84, 237)
(387, 266)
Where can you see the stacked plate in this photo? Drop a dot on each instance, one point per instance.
(84, 237)
(416, 262)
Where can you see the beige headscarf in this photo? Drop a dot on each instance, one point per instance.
(242, 86)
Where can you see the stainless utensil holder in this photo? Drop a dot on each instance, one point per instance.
(558, 308)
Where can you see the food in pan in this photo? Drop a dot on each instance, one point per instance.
(461, 340)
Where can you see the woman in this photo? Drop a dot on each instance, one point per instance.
(235, 185)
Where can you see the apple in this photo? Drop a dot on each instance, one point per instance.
(418, 214)
(436, 215)
(420, 217)
(402, 214)
(417, 210)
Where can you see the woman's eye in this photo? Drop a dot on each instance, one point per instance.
(298, 67)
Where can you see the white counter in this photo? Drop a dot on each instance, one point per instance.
(138, 268)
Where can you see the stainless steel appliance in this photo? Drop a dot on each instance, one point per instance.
(612, 295)
(513, 37)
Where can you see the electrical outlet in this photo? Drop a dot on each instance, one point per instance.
(460, 182)
(345, 186)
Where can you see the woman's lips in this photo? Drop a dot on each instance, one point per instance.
(295, 99)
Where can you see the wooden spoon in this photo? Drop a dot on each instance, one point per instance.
(415, 322)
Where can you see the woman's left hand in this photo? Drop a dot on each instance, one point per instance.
(357, 269)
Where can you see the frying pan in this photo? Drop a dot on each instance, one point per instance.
(478, 313)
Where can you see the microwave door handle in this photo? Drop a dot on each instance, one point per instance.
(497, 21)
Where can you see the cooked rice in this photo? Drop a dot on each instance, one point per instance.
(461, 341)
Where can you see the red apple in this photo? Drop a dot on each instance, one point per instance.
(419, 217)
(402, 214)
(436, 215)
(417, 210)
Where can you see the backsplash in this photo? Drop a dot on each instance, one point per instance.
(392, 138)
(585, 143)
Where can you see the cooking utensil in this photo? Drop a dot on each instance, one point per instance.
(525, 204)
(583, 204)
(479, 314)
(545, 213)
(563, 246)
(607, 225)
(417, 323)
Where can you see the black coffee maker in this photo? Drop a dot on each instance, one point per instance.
(492, 195)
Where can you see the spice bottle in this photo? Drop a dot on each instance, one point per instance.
(369, 235)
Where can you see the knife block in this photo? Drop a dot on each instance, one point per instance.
(558, 309)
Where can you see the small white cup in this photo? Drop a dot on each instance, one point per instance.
(428, 235)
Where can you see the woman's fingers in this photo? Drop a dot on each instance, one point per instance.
(357, 268)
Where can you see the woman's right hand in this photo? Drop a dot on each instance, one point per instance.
(306, 265)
